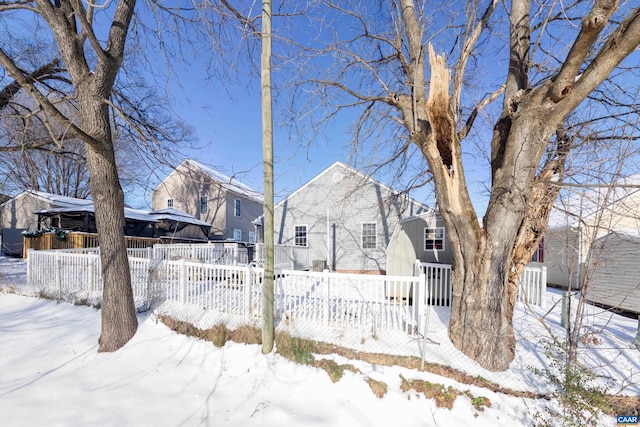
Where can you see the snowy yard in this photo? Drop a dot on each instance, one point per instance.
(51, 374)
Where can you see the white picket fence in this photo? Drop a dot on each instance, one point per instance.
(286, 256)
(234, 293)
(437, 284)
(325, 299)
(210, 253)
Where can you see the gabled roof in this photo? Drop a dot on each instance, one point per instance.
(230, 184)
(348, 171)
(54, 200)
(571, 211)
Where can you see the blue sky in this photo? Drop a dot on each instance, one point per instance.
(226, 120)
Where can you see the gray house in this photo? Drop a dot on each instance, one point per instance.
(344, 217)
(210, 196)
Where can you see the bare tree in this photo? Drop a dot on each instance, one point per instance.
(146, 134)
(382, 60)
(92, 66)
(53, 170)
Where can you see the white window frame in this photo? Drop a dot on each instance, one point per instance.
(297, 239)
(435, 231)
(237, 231)
(368, 236)
(252, 237)
(237, 207)
(204, 204)
(169, 203)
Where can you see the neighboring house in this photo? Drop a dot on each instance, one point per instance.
(225, 203)
(344, 217)
(35, 210)
(577, 221)
(614, 271)
(423, 237)
(18, 215)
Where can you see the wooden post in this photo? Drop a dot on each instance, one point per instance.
(268, 321)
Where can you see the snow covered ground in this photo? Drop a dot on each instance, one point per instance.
(51, 374)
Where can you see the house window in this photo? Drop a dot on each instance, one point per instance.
(169, 203)
(237, 234)
(252, 237)
(236, 207)
(204, 205)
(369, 235)
(538, 255)
(434, 238)
(300, 237)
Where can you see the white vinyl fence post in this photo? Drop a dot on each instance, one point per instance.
(292, 257)
(247, 288)
(543, 287)
(29, 266)
(182, 281)
(327, 280)
(58, 267)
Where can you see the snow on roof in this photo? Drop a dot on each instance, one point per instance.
(57, 200)
(431, 213)
(133, 214)
(581, 205)
(229, 183)
(172, 214)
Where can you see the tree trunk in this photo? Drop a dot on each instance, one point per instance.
(119, 322)
(482, 310)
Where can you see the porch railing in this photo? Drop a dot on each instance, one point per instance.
(77, 240)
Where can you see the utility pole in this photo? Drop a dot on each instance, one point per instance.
(268, 327)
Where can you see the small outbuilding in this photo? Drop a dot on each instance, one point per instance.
(614, 271)
(420, 237)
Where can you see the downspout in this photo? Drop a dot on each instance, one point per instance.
(328, 240)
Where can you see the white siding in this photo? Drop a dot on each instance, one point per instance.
(614, 272)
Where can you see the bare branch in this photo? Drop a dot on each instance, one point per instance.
(592, 25)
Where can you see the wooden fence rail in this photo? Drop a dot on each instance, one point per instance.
(76, 240)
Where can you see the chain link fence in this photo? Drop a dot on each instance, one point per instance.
(390, 315)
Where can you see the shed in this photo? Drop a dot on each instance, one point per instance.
(614, 271)
(419, 237)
